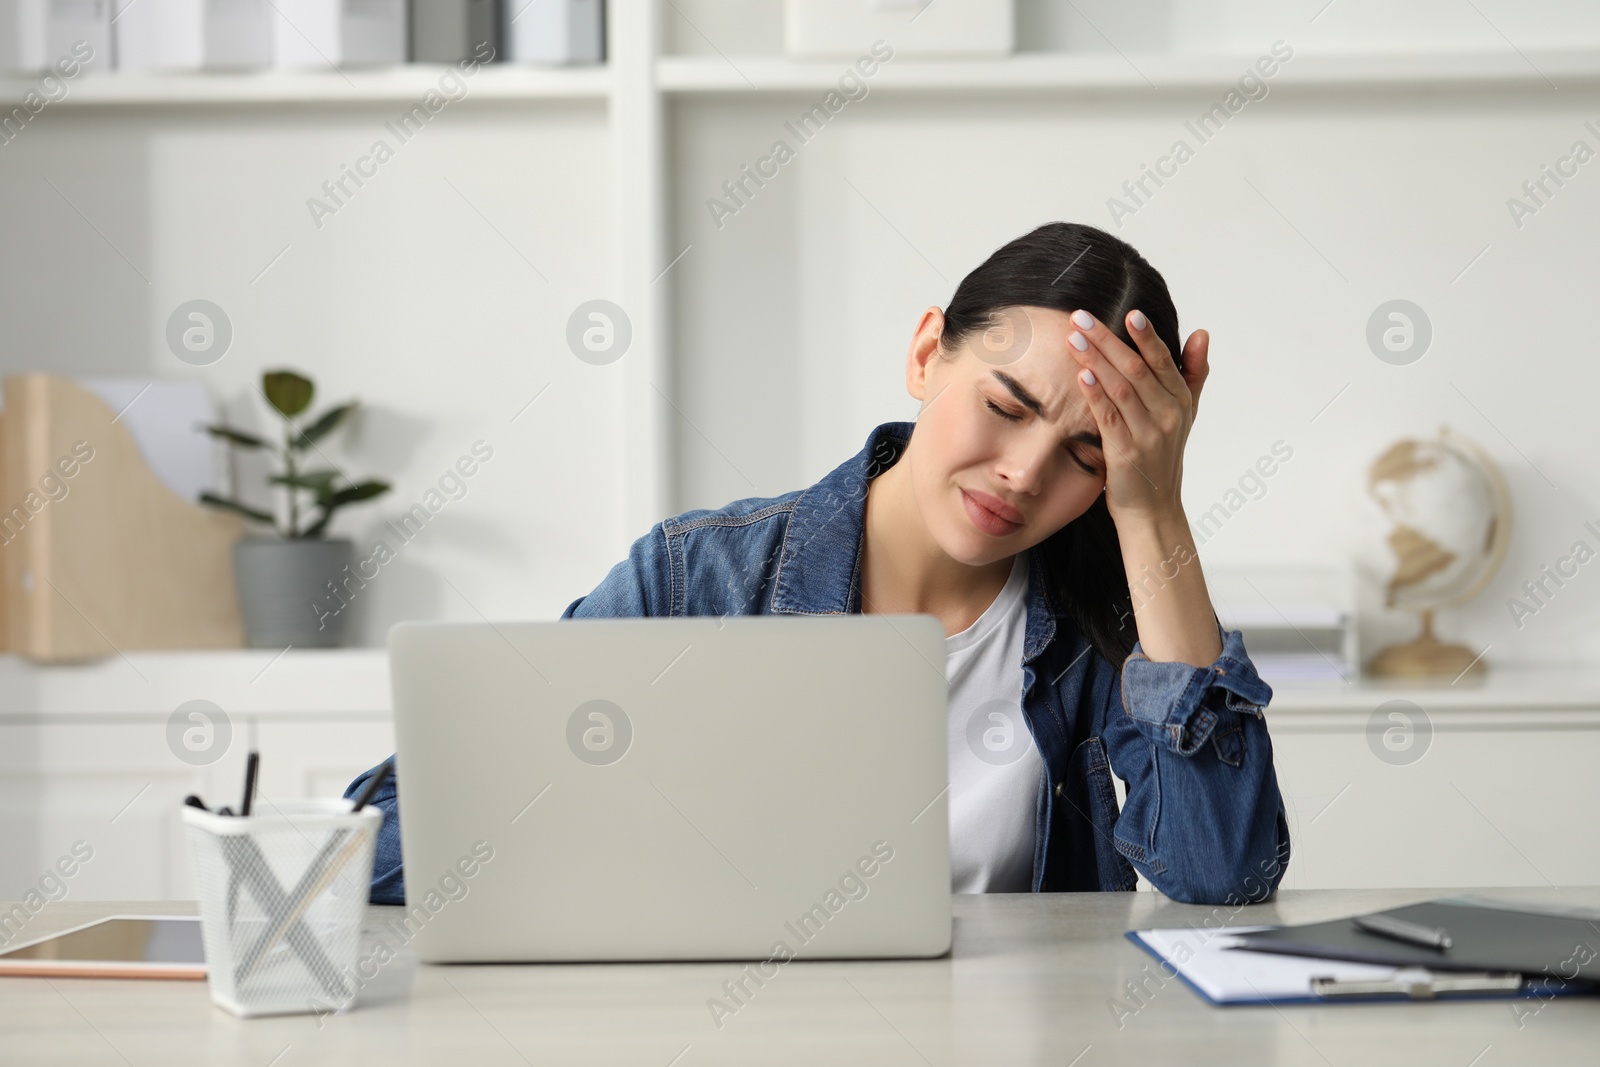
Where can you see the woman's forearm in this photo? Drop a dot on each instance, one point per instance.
(1170, 602)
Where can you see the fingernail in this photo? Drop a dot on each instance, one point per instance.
(1078, 341)
(1083, 319)
(1138, 320)
(1087, 376)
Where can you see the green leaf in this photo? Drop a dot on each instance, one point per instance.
(287, 391)
(323, 426)
(319, 482)
(237, 508)
(350, 494)
(236, 437)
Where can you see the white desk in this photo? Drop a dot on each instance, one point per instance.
(1030, 980)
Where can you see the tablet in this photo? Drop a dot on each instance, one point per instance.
(119, 946)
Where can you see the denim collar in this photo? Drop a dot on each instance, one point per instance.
(819, 565)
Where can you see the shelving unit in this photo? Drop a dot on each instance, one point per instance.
(81, 742)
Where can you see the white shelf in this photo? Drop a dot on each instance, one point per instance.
(1041, 71)
(343, 682)
(407, 83)
(1025, 72)
(1525, 692)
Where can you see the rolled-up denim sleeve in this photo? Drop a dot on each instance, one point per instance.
(388, 878)
(1204, 820)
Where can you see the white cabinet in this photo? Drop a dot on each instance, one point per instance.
(1488, 786)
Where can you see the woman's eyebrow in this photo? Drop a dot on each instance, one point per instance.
(1031, 402)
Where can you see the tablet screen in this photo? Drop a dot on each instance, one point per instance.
(157, 942)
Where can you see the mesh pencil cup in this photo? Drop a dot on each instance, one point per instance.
(282, 896)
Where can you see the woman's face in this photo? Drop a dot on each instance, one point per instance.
(1005, 451)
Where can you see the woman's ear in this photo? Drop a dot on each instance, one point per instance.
(924, 349)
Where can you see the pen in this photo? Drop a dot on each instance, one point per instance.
(1401, 930)
(251, 764)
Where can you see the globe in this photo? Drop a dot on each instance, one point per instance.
(1447, 519)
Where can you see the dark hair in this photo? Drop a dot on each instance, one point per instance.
(1066, 266)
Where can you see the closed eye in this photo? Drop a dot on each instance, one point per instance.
(1011, 416)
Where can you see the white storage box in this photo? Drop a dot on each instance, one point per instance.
(192, 34)
(237, 33)
(36, 34)
(164, 35)
(343, 33)
(39, 34)
(847, 28)
(159, 34)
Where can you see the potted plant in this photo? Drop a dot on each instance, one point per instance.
(290, 590)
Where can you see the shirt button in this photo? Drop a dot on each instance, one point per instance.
(1061, 788)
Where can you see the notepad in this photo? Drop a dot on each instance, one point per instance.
(1212, 963)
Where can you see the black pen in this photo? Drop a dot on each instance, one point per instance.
(1401, 930)
(251, 764)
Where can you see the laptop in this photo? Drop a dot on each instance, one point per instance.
(742, 788)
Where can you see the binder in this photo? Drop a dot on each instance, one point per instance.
(553, 31)
(449, 31)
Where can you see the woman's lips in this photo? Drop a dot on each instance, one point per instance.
(990, 514)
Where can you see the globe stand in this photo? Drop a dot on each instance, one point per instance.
(1427, 657)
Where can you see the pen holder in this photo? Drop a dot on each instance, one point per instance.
(282, 897)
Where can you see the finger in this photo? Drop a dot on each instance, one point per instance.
(1131, 364)
(1155, 351)
(1114, 434)
(1197, 364)
(1110, 380)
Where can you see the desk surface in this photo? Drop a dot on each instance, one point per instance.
(1032, 979)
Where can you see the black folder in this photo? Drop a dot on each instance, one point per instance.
(1482, 939)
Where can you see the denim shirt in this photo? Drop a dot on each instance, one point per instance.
(1203, 819)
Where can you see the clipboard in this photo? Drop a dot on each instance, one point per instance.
(1213, 965)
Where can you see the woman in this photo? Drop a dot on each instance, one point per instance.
(1043, 469)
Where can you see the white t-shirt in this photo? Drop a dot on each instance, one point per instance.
(994, 764)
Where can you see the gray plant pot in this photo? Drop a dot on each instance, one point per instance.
(283, 591)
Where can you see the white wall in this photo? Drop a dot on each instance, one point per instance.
(408, 299)
(1312, 207)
